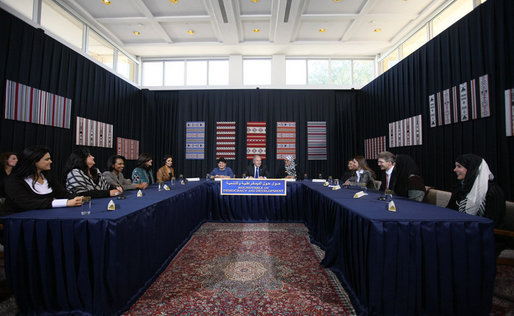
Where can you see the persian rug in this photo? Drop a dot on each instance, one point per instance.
(246, 269)
(503, 299)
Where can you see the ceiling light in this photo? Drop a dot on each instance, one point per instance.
(337, 0)
(322, 30)
(173, 1)
(136, 33)
(255, 1)
(377, 30)
(190, 32)
(107, 2)
(256, 30)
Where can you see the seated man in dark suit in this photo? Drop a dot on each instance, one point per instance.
(401, 176)
(257, 170)
(387, 163)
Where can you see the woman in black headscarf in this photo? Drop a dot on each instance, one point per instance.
(478, 193)
(290, 170)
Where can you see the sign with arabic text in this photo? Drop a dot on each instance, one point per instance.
(253, 187)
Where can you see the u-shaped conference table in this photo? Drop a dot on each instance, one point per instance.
(421, 259)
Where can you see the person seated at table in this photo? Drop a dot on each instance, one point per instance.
(256, 170)
(166, 172)
(290, 170)
(82, 177)
(477, 193)
(7, 162)
(362, 174)
(32, 186)
(114, 176)
(410, 178)
(351, 170)
(222, 171)
(143, 171)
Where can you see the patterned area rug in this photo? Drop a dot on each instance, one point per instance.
(241, 269)
(503, 299)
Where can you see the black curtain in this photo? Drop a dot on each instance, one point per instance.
(480, 43)
(30, 57)
(175, 108)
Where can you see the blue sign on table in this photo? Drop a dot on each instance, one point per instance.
(253, 187)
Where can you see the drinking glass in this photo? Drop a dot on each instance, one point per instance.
(388, 195)
(86, 205)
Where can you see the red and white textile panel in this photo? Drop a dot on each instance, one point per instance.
(93, 133)
(406, 132)
(226, 140)
(286, 139)
(128, 148)
(255, 139)
(27, 104)
(374, 146)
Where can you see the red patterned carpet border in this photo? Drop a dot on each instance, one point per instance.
(246, 269)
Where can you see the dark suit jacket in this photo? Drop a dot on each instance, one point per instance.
(263, 171)
(393, 183)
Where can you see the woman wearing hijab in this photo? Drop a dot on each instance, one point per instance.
(362, 174)
(290, 170)
(478, 193)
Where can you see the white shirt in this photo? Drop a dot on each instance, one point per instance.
(358, 174)
(389, 173)
(42, 189)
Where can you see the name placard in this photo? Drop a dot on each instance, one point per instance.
(253, 187)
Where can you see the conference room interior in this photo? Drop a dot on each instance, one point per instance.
(359, 119)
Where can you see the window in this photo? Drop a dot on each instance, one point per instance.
(218, 72)
(341, 72)
(196, 73)
(126, 67)
(174, 73)
(414, 42)
(363, 72)
(296, 71)
(450, 15)
(25, 7)
(61, 23)
(152, 73)
(317, 71)
(257, 72)
(100, 49)
(391, 60)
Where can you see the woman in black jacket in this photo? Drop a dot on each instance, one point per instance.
(31, 185)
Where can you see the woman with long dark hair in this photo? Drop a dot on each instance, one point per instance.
(32, 186)
(478, 193)
(83, 177)
(114, 176)
(166, 172)
(362, 174)
(8, 161)
(143, 171)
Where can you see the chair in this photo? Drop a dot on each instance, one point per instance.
(437, 197)
(506, 235)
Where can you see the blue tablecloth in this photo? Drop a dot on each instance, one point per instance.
(421, 259)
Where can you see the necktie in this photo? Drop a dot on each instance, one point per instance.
(256, 172)
(387, 181)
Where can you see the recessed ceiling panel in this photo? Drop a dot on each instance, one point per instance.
(322, 30)
(182, 7)
(412, 7)
(333, 7)
(256, 30)
(116, 9)
(248, 7)
(178, 32)
(378, 29)
(125, 32)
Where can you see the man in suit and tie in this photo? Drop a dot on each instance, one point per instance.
(387, 163)
(257, 170)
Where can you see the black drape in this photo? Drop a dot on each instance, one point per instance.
(174, 108)
(480, 43)
(30, 57)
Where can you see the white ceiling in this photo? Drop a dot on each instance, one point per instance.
(225, 27)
